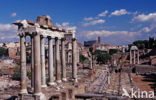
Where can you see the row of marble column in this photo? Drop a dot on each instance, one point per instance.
(133, 59)
(38, 79)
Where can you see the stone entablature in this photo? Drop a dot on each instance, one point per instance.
(30, 27)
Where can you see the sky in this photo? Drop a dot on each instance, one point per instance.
(117, 22)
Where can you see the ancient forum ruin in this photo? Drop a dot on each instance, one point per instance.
(38, 32)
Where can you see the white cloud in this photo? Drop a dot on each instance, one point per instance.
(88, 18)
(13, 14)
(7, 27)
(8, 32)
(94, 22)
(65, 25)
(145, 18)
(103, 13)
(150, 18)
(106, 33)
(119, 12)
(146, 29)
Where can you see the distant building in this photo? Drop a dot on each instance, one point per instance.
(89, 44)
(1, 44)
(10, 45)
(69, 35)
(96, 45)
(13, 53)
(99, 40)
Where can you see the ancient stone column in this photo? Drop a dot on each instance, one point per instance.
(32, 64)
(130, 57)
(74, 61)
(58, 62)
(138, 62)
(50, 62)
(23, 65)
(37, 67)
(54, 59)
(134, 57)
(43, 70)
(91, 63)
(63, 60)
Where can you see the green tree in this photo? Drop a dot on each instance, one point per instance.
(102, 57)
(82, 58)
(113, 51)
(16, 75)
(3, 51)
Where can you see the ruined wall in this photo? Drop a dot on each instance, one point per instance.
(145, 69)
(44, 20)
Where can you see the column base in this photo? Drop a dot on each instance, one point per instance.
(51, 83)
(75, 80)
(58, 81)
(41, 96)
(24, 91)
(64, 79)
(44, 86)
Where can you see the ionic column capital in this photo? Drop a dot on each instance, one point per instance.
(56, 38)
(42, 36)
(22, 35)
(49, 38)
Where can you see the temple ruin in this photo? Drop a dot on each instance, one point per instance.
(38, 32)
(133, 51)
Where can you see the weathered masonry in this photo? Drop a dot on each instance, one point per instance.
(38, 32)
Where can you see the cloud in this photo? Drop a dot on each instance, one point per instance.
(88, 18)
(106, 33)
(103, 13)
(13, 14)
(8, 32)
(66, 25)
(151, 17)
(119, 12)
(94, 22)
